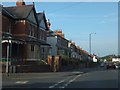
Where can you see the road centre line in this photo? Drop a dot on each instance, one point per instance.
(57, 84)
(61, 81)
(52, 86)
(70, 81)
(66, 84)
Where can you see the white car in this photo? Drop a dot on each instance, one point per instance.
(117, 66)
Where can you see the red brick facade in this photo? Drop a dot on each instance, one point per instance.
(26, 36)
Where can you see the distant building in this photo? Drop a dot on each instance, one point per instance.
(95, 59)
(74, 51)
(115, 59)
(59, 45)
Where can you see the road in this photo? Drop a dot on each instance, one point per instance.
(80, 78)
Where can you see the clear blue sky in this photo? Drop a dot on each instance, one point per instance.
(79, 19)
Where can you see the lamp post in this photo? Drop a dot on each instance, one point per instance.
(8, 50)
(90, 42)
(7, 63)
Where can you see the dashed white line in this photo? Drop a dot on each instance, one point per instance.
(22, 82)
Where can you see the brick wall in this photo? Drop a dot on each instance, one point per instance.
(32, 68)
(27, 68)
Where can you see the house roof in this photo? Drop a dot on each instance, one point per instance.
(19, 12)
(40, 16)
(7, 13)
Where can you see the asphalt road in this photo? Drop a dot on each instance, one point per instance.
(81, 78)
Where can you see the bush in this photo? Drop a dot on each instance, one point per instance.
(64, 60)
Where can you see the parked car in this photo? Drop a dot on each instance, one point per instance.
(102, 65)
(117, 65)
(110, 66)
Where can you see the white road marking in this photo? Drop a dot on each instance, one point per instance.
(76, 72)
(56, 84)
(61, 81)
(70, 81)
(66, 84)
(22, 82)
(29, 78)
(52, 86)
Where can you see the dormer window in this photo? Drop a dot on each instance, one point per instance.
(9, 27)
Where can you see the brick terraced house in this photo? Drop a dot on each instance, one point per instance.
(24, 33)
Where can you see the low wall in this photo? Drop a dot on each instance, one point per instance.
(32, 68)
(27, 69)
(24, 62)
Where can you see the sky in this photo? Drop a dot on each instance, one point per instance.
(79, 19)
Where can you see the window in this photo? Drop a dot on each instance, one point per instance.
(32, 47)
(41, 35)
(44, 36)
(43, 50)
(31, 31)
(9, 27)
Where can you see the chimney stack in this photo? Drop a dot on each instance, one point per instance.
(20, 3)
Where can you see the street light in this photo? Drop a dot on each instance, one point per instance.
(7, 63)
(90, 42)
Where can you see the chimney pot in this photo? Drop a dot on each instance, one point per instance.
(20, 3)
